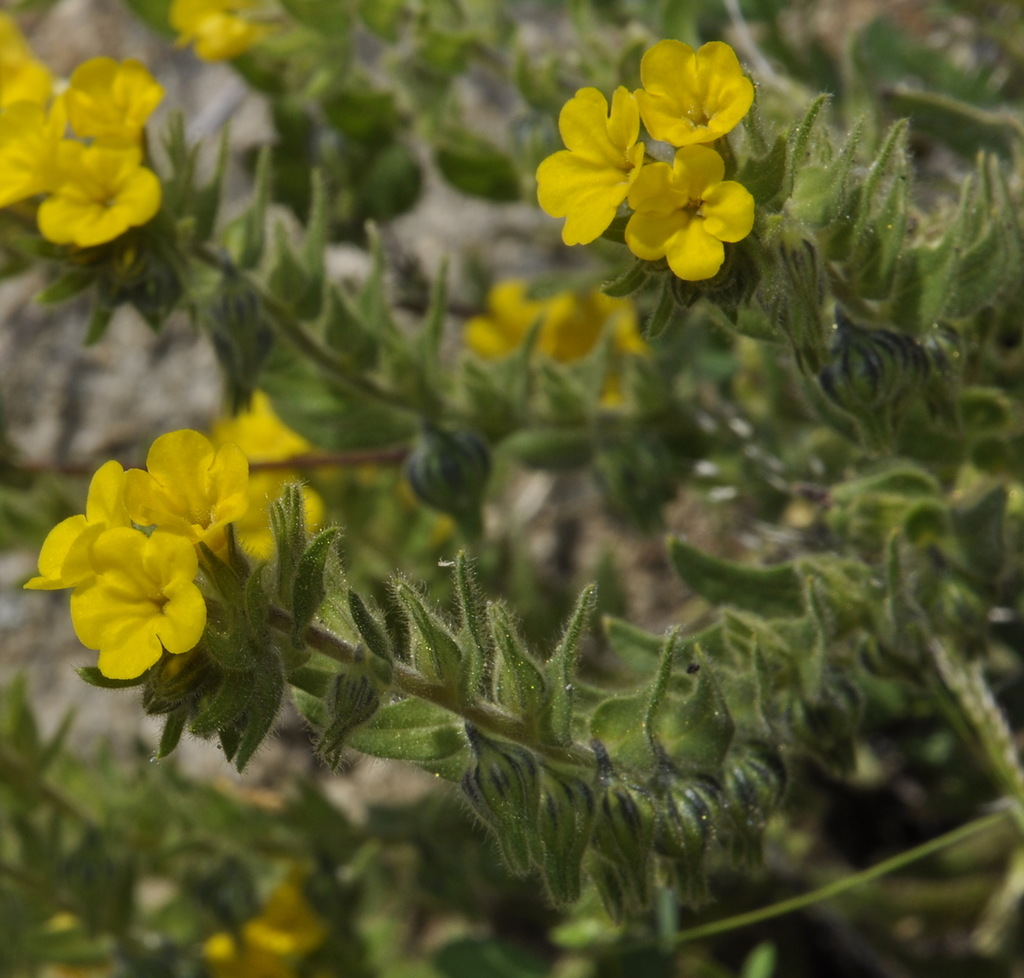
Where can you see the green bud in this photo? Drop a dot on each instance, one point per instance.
(624, 835)
(872, 369)
(503, 787)
(753, 784)
(564, 821)
(638, 475)
(448, 470)
(686, 815)
(351, 700)
(100, 883)
(241, 334)
(224, 705)
(138, 272)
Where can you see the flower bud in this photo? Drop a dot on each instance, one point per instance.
(686, 815)
(351, 701)
(564, 821)
(504, 789)
(241, 335)
(624, 835)
(448, 470)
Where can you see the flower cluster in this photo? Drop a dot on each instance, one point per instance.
(269, 945)
(218, 29)
(132, 557)
(93, 187)
(569, 326)
(681, 211)
(263, 437)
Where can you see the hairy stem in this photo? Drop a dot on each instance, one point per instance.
(409, 682)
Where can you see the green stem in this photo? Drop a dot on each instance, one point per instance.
(840, 886)
(409, 682)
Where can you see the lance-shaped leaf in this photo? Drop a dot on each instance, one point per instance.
(475, 638)
(371, 629)
(774, 592)
(560, 674)
(310, 585)
(518, 680)
(433, 646)
(417, 731)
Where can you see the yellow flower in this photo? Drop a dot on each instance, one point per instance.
(190, 489)
(586, 182)
(570, 324)
(141, 601)
(214, 27)
(286, 929)
(288, 924)
(30, 137)
(692, 96)
(64, 558)
(685, 211)
(102, 191)
(263, 437)
(228, 957)
(22, 77)
(110, 101)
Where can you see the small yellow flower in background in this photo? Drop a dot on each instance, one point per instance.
(141, 601)
(570, 323)
(586, 182)
(189, 488)
(30, 137)
(64, 558)
(22, 77)
(685, 211)
(215, 28)
(263, 437)
(110, 101)
(692, 97)
(287, 929)
(102, 191)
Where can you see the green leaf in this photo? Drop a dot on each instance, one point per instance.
(560, 673)
(94, 677)
(71, 283)
(309, 589)
(775, 592)
(478, 168)
(434, 648)
(417, 731)
(325, 17)
(363, 114)
(469, 957)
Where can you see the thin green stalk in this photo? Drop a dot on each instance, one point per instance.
(832, 890)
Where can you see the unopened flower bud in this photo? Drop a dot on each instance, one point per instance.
(564, 821)
(448, 470)
(504, 789)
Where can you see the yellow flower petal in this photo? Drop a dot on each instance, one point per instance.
(189, 489)
(104, 190)
(729, 211)
(64, 558)
(694, 254)
(111, 101)
(586, 182)
(692, 97)
(141, 600)
(684, 212)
